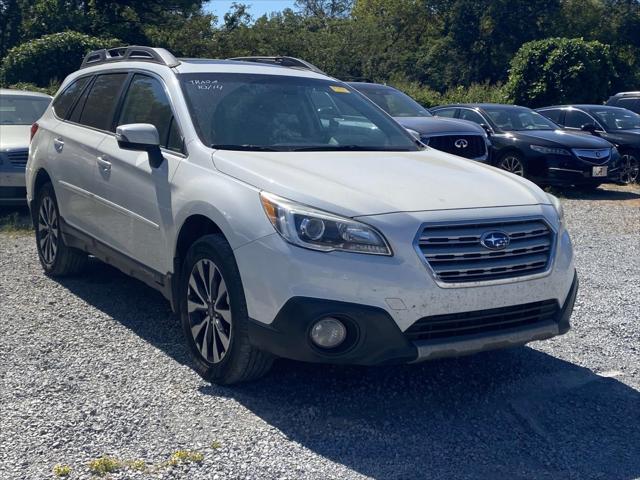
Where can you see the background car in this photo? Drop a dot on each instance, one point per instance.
(527, 144)
(616, 125)
(628, 100)
(18, 111)
(457, 137)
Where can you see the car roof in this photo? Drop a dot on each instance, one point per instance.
(23, 93)
(370, 85)
(583, 106)
(624, 94)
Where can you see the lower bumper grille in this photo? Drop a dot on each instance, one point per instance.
(467, 146)
(483, 321)
(18, 158)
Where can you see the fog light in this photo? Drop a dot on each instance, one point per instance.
(328, 332)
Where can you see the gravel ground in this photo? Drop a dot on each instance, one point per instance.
(95, 366)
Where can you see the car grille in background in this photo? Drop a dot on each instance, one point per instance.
(598, 156)
(18, 158)
(476, 146)
(481, 321)
(455, 254)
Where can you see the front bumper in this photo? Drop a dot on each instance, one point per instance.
(569, 170)
(374, 338)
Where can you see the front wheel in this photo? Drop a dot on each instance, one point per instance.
(513, 163)
(630, 169)
(56, 258)
(214, 315)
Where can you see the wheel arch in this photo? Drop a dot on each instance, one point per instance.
(41, 178)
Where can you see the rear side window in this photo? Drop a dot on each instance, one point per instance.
(102, 101)
(147, 102)
(445, 112)
(553, 115)
(64, 102)
(471, 116)
(632, 104)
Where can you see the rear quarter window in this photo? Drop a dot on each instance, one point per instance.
(64, 102)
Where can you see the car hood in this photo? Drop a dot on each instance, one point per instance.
(629, 138)
(370, 183)
(439, 125)
(14, 136)
(560, 138)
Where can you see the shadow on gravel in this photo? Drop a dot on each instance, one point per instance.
(511, 414)
(598, 194)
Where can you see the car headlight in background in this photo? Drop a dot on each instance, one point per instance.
(310, 228)
(549, 150)
(558, 207)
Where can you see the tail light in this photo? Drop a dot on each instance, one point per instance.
(34, 129)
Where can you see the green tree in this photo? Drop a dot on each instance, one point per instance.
(10, 20)
(560, 70)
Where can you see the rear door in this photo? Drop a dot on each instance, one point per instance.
(137, 197)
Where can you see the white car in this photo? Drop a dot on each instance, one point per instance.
(276, 232)
(18, 111)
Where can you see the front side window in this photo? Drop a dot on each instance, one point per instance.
(446, 112)
(518, 118)
(396, 103)
(147, 102)
(576, 119)
(617, 118)
(21, 109)
(286, 113)
(65, 101)
(102, 100)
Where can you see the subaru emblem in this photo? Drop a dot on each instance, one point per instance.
(495, 240)
(461, 143)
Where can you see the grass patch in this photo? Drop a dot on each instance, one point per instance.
(14, 222)
(61, 470)
(103, 465)
(137, 465)
(185, 456)
(216, 445)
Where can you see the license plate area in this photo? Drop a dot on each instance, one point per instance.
(599, 171)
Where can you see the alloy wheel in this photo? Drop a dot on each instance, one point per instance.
(48, 230)
(512, 164)
(209, 311)
(630, 169)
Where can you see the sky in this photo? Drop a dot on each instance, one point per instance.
(257, 7)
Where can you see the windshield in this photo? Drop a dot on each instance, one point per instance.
(395, 103)
(21, 109)
(617, 118)
(514, 119)
(285, 113)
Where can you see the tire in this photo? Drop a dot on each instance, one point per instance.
(512, 162)
(214, 322)
(56, 258)
(630, 168)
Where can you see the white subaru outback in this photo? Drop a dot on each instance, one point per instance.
(285, 215)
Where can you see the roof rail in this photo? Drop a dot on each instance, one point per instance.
(119, 54)
(290, 62)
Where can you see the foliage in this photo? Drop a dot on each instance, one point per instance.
(103, 465)
(560, 70)
(185, 456)
(61, 470)
(50, 58)
(30, 87)
(473, 94)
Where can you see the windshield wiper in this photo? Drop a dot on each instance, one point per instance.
(247, 148)
(347, 148)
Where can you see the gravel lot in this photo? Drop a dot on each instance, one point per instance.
(95, 366)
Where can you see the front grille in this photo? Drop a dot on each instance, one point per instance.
(18, 158)
(598, 156)
(475, 145)
(456, 255)
(483, 321)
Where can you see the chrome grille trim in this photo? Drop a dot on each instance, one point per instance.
(593, 156)
(17, 158)
(454, 256)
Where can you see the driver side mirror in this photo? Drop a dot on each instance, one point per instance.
(589, 127)
(414, 134)
(487, 128)
(141, 137)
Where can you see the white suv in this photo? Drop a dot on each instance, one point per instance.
(279, 228)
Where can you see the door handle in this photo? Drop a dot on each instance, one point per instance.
(58, 144)
(103, 163)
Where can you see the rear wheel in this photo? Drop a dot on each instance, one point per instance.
(512, 162)
(214, 315)
(630, 168)
(56, 258)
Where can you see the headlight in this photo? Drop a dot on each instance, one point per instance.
(549, 150)
(310, 228)
(558, 206)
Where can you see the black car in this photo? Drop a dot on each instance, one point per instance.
(616, 125)
(628, 100)
(458, 137)
(527, 144)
